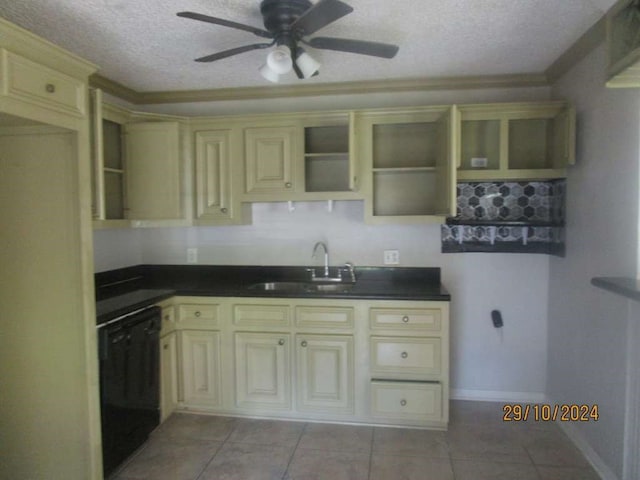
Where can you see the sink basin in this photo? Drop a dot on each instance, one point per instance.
(301, 287)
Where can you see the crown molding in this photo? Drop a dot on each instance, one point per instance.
(591, 39)
(314, 90)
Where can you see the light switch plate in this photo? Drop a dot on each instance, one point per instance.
(391, 257)
(192, 255)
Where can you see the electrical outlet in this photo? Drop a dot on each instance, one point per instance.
(192, 255)
(391, 257)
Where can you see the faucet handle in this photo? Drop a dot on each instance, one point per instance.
(312, 272)
(352, 272)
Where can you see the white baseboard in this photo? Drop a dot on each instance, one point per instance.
(497, 396)
(589, 453)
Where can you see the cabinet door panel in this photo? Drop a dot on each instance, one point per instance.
(168, 375)
(213, 175)
(263, 370)
(200, 368)
(269, 159)
(153, 171)
(325, 373)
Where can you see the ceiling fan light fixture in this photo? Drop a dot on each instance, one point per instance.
(269, 74)
(279, 60)
(307, 64)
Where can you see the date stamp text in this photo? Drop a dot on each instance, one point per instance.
(516, 412)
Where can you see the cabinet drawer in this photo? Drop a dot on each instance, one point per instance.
(324, 317)
(198, 316)
(406, 356)
(38, 84)
(426, 319)
(405, 400)
(261, 315)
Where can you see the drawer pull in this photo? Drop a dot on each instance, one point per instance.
(287, 185)
(405, 319)
(224, 210)
(403, 402)
(303, 343)
(404, 354)
(50, 88)
(281, 341)
(197, 314)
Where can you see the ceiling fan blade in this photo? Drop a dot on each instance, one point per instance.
(321, 14)
(361, 47)
(225, 23)
(233, 51)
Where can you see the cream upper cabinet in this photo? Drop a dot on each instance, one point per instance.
(523, 141)
(270, 154)
(325, 366)
(623, 45)
(409, 160)
(217, 190)
(153, 171)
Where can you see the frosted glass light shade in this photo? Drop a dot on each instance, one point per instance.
(279, 60)
(269, 74)
(307, 64)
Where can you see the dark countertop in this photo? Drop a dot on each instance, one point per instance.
(119, 305)
(627, 287)
(144, 285)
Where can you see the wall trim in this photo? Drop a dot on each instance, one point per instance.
(497, 396)
(314, 90)
(589, 453)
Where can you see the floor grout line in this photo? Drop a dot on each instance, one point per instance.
(286, 471)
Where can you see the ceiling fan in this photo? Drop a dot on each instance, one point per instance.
(289, 23)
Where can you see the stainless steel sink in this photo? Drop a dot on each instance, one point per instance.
(302, 287)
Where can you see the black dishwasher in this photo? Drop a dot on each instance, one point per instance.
(129, 383)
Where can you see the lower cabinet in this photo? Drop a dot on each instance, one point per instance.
(168, 375)
(263, 370)
(200, 368)
(357, 361)
(325, 379)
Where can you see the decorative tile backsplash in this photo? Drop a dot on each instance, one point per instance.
(512, 201)
(531, 203)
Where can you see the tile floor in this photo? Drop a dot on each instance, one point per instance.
(477, 446)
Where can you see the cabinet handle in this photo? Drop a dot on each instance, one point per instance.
(165, 346)
(197, 314)
(224, 210)
(404, 354)
(403, 402)
(50, 88)
(405, 319)
(281, 341)
(288, 184)
(166, 317)
(303, 343)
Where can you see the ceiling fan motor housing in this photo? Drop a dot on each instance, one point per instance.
(278, 15)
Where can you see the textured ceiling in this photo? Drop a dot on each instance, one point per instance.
(143, 44)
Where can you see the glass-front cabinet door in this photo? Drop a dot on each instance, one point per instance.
(409, 156)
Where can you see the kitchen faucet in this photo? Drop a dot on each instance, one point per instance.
(326, 256)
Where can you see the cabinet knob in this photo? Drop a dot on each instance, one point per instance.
(166, 317)
(405, 319)
(303, 343)
(403, 402)
(197, 314)
(224, 210)
(404, 354)
(50, 88)
(288, 184)
(281, 341)
(165, 346)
